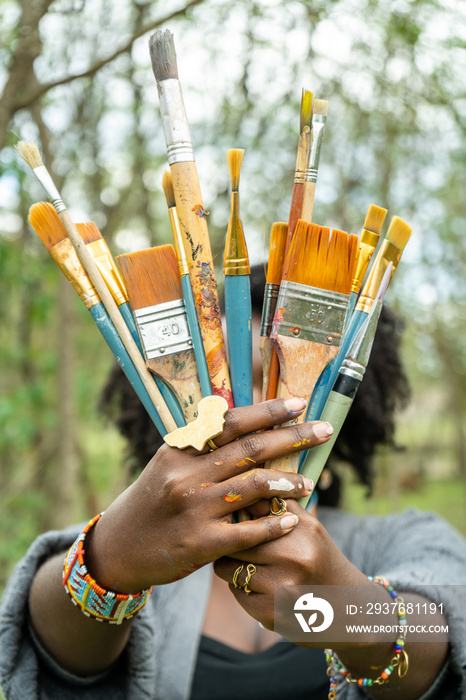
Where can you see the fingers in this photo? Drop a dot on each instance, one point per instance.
(250, 533)
(256, 485)
(232, 570)
(256, 448)
(249, 419)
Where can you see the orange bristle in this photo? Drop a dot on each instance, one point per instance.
(46, 223)
(319, 274)
(295, 260)
(151, 276)
(89, 232)
(276, 252)
(353, 252)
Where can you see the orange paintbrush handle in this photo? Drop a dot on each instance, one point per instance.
(295, 211)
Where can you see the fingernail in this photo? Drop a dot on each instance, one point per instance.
(308, 484)
(295, 404)
(288, 521)
(323, 429)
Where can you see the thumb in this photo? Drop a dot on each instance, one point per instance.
(250, 533)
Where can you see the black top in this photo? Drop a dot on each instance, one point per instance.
(283, 670)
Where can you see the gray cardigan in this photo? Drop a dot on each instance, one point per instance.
(408, 549)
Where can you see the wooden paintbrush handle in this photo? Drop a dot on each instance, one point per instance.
(309, 189)
(193, 226)
(295, 211)
(265, 347)
(179, 371)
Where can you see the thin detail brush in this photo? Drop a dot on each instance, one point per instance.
(198, 345)
(98, 248)
(319, 117)
(305, 137)
(278, 236)
(347, 384)
(238, 310)
(309, 318)
(46, 223)
(152, 280)
(190, 208)
(30, 153)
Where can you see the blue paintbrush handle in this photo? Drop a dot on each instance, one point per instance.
(114, 342)
(198, 344)
(167, 394)
(239, 332)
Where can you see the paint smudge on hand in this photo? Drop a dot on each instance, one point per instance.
(232, 497)
(280, 485)
(190, 491)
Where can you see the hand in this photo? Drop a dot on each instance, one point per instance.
(177, 516)
(307, 556)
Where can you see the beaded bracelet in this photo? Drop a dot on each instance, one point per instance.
(400, 659)
(93, 600)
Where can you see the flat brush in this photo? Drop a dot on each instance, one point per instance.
(278, 236)
(310, 314)
(390, 251)
(30, 153)
(98, 248)
(319, 117)
(349, 378)
(190, 208)
(238, 310)
(152, 280)
(46, 223)
(194, 328)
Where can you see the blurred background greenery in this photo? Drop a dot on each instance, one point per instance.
(75, 75)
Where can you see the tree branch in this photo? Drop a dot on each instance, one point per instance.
(97, 65)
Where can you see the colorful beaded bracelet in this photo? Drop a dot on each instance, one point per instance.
(93, 600)
(400, 659)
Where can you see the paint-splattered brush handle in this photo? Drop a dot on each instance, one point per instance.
(170, 399)
(265, 348)
(179, 371)
(238, 314)
(114, 342)
(198, 345)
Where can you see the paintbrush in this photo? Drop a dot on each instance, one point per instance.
(190, 208)
(311, 307)
(30, 153)
(349, 378)
(194, 328)
(46, 223)
(319, 117)
(390, 251)
(238, 311)
(368, 241)
(278, 236)
(98, 248)
(152, 280)
(305, 138)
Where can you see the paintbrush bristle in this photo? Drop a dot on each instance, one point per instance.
(29, 151)
(398, 233)
(151, 276)
(320, 107)
(167, 184)
(353, 252)
(318, 260)
(294, 260)
(163, 55)
(374, 219)
(306, 110)
(235, 159)
(89, 232)
(46, 223)
(278, 236)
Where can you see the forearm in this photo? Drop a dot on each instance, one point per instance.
(80, 644)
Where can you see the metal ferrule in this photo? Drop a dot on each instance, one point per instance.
(318, 126)
(310, 313)
(301, 159)
(178, 240)
(236, 259)
(163, 329)
(48, 184)
(388, 253)
(360, 350)
(174, 122)
(353, 369)
(268, 307)
(367, 244)
(67, 260)
(108, 269)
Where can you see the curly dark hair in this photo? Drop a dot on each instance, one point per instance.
(369, 424)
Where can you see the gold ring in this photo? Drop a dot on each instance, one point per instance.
(277, 506)
(212, 445)
(251, 569)
(235, 576)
